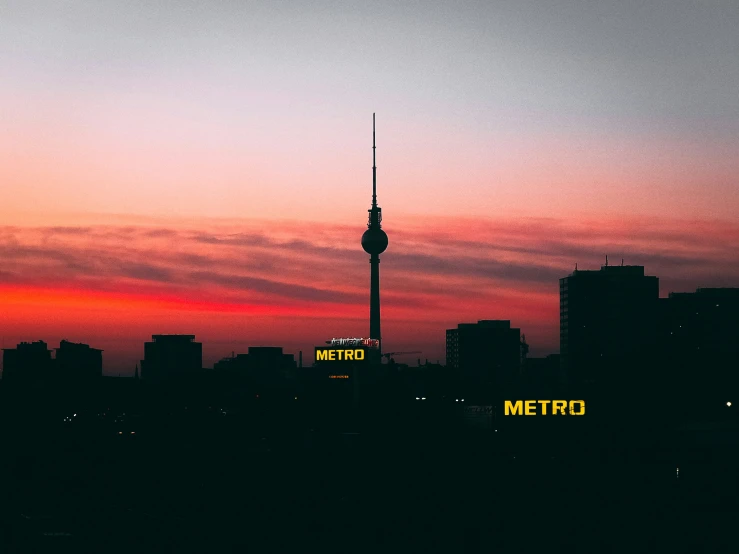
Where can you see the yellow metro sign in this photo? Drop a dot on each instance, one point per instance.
(324, 354)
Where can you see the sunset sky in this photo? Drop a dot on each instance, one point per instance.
(205, 167)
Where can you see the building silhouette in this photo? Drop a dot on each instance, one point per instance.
(169, 356)
(265, 372)
(607, 326)
(541, 377)
(272, 359)
(699, 347)
(267, 364)
(28, 363)
(485, 358)
(78, 362)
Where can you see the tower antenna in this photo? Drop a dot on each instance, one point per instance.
(374, 166)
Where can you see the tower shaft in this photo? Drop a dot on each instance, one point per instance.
(375, 299)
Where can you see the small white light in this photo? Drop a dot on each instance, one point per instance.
(75, 415)
(424, 398)
(457, 400)
(463, 400)
(728, 404)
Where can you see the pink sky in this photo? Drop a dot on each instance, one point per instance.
(205, 168)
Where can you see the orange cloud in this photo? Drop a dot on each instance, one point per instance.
(271, 282)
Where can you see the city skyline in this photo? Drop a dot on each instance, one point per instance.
(215, 352)
(195, 357)
(161, 167)
(99, 300)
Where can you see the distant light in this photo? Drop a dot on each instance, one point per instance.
(133, 432)
(120, 432)
(463, 400)
(296, 398)
(457, 400)
(424, 398)
(728, 404)
(75, 415)
(417, 398)
(496, 430)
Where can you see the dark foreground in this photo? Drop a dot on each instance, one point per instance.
(181, 491)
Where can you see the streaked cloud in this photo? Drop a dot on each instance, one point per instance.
(278, 261)
(462, 269)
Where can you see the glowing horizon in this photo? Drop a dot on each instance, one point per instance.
(262, 283)
(205, 168)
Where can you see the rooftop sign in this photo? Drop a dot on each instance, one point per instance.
(367, 343)
(328, 354)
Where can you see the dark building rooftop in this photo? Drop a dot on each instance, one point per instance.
(635, 270)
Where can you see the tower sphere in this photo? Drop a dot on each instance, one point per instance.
(374, 241)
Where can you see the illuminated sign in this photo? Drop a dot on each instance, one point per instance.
(339, 354)
(529, 407)
(369, 343)
(338, 377)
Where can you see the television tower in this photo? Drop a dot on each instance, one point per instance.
(374, 242)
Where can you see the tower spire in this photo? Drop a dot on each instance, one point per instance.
(374, 166)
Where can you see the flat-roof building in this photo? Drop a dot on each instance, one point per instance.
(485, 357)
(170, 356)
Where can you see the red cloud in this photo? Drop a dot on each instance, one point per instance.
(265, 282)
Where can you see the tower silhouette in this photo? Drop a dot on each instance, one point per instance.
(374, 242)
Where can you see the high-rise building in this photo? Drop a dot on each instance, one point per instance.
(171, 356)
(607, 326)
(484, 357)
(699, 345)
(541, 377)
(28, 362)
(78, 362)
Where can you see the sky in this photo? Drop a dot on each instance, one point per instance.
(205, 167)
